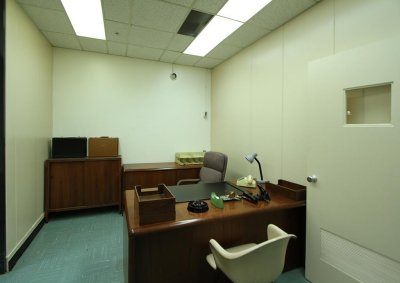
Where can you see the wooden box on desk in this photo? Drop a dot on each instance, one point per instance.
(291, 190)
(154, 205)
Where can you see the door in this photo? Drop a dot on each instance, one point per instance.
(353, 210)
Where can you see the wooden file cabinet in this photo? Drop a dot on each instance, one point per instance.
(79, 183)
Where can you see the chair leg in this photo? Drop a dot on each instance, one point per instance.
(216, 278)
(221, 277)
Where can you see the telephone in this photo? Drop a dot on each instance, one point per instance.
(248, 181)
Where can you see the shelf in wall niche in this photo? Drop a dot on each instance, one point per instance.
(368, 105)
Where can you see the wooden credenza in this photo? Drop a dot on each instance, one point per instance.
(149, 175)
(80, 183)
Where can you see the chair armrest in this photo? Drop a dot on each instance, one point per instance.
(274, 232)
(187, 181)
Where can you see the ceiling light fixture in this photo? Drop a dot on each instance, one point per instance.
(242, 11)
(232, 15)
(86, 17)
(217, 30)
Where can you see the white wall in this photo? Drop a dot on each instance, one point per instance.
(259, 96)
(134, 100)
(28, 124)
(259, 103)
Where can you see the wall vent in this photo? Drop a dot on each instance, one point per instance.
(358, 262)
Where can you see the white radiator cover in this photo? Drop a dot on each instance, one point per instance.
(358, 262)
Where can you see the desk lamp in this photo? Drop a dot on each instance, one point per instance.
(263, 193)
(251, 157)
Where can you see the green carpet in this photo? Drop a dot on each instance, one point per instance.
(83, 247)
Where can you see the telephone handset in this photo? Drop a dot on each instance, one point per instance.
(247, 181)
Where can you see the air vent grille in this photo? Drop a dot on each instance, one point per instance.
(358, 262)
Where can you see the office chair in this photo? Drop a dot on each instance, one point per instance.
(213, 170)
(246, 263)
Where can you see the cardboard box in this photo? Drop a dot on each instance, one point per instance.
(103, 147)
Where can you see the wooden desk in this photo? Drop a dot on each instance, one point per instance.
(175, 251)
(149, 175)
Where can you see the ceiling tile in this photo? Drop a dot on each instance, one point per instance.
(144, 52)
(279, 12)
(158, 15)
(189, 60)
(209, 6)
(94, 45)
(117, 10)
(49, 20)
(208, 63)
(62, 40)
(117, 32)
(149, 37)
(186, 3)
(148, 28)
(246, 35)
(116, 48)
(180, 42)
(48, 4)
(170, 56)
(223, 51)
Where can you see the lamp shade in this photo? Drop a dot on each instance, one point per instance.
(251, 157)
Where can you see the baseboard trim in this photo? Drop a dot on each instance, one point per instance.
(18, 253)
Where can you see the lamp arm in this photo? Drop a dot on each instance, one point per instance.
(259, 166)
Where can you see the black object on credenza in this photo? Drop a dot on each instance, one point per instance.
(69, 147)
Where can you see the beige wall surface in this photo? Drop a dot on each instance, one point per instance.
(28, 124)
(134, 100)
(259, 97)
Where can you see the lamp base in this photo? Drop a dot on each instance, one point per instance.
(263, 193)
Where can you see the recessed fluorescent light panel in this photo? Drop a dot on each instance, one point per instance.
(86, 17)
(242, 11)
(217, 30)
(232, 15)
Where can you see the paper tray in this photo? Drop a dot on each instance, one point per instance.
(291, 190)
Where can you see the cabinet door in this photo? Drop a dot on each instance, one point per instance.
(66, 183)
(102, 182)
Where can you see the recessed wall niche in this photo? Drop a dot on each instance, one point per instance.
(368, 104)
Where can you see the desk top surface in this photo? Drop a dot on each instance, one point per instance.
(158, 166)
(187, 218)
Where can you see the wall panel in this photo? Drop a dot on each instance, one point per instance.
(134, 100)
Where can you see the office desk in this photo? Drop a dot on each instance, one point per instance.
(175, 251)
(149, 175)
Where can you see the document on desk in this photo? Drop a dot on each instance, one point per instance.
(201, 191)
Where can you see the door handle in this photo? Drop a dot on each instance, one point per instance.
(312, 179)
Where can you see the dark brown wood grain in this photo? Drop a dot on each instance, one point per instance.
(149, 175)
(175, 251)
(80, 183)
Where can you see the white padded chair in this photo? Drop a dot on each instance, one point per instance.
(251, 263)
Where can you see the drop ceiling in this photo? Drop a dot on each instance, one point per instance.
(148, 29)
